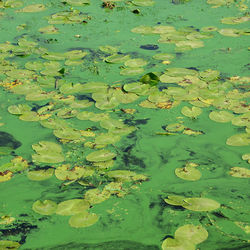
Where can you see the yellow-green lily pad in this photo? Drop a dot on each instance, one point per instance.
(40, 175)
(191, 112)
(242, 139)
(221, 116)
(192, 233)
(240, 172)
(176, 244)
(188, 173)
(83, 219)
(100, 155)
(46, 207)
(72, 207)
(200, 204)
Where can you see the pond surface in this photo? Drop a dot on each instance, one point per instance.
(124, 124)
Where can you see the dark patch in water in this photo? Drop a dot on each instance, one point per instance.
(136, 122)
(194, 68)
(149, 47)
(7, 140)
(130, 160)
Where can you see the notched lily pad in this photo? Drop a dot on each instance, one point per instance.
(221, 116)
(242, 139)
(40, 175)
(192, 112)
(100, 155)
(72, 207)
(83, 219)
(188, 173)
(46, 207)
(200, 204)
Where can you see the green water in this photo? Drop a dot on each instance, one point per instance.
(136, 216)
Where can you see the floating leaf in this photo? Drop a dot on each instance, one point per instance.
(121, 175)
(192, 233)
(107, 138)
(95, 196)
(221, 116)
(15, 165)
(240, 172)
(46, 207)
(191, 112)
(117, 58)
(8, 244)
(100, 155)
(239, 140)
(150, 78)
(200, 204)
(188, 173)
(176, 244)
(33, 8)
(72, 207)
(234, 20)
(19, 109)
(5, 176)
(143, 2)
(131, 71)
(108, 49)
(163, 56)
(142, 29)
(175, 200)
(246, 157)
(65, 172)
(134, 63)
(51, 29)
(40, 175)
(83, 219)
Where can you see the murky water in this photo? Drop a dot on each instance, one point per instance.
(124, 124)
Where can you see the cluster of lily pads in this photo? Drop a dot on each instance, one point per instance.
(241, 5)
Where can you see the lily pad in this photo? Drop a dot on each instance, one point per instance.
(188, 173)
(117, 58)
(240, 172)
(19, 109)
(200, 204)
(192, 233)
(143, 3)
(239, 140)
(131, 71)
(51, 29)
(191, 112)
(100, 155)
(83, 219)
(33, 8)
(72, 207)
(46, 207)
(8, 244)
(175, 200)
(121, 175)
(95, 196)
(134, 63)
(176, 244)
(221, 116)
(40, 175)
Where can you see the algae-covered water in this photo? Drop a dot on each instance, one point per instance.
(124, 124)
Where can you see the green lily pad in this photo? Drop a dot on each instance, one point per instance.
(75, 54)
(121, 175)
(246, 157)
(67, 133)
(65, 172)
(150, 78)
(175, 200)
(242, 120)
(200, 204)
(17, 164)
(54, 123)
(234, 20)
(20, 74)
(67, 113)
(81, 104)
(40, 175)
(51, 29)
(143, 3)
(24, 89)
(191, 112)
(240, 172)
(209, 75)
(134, 63)
(242, 139)
(100, 155)
(221, 116)
(142, 29)
(117, 58)
(50, 157)
(83, 219)
(188, 173)
(76, 2)
(72, 207)
(108, 49)
(19, 109)
(46, 207)
(230, 32)
(176, 244)
(163, 56)
(29, 116)
(175, 127)
(107, 138)
(32, 8)
(111, 124)
(95, 196)
(8, 244)
(137, 88)
(192, 233)
(93, 87)
(131, 71)
(34, 65)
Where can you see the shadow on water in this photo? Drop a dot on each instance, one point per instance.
(7, 140)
